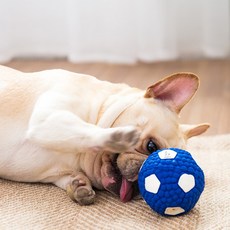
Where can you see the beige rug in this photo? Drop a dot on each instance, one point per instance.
(37, 206)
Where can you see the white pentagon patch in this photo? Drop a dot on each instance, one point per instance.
(167, 154)
(186, 182)
(174, 211)
(152, 184)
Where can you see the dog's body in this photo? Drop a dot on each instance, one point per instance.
(78, 132)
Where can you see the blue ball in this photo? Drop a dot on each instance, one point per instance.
(171, 182)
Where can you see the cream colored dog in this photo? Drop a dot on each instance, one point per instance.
(80, 133)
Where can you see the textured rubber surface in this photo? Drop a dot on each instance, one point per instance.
(168, 171)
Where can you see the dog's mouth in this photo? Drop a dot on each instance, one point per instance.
(114, 181)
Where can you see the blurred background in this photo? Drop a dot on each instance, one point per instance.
(133, 41)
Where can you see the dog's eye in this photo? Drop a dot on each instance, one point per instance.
(151, 146)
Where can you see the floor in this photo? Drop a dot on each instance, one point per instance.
(211, 103)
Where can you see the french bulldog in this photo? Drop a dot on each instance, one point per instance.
(83, 134)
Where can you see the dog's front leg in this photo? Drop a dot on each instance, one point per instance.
(54, 126)
(78, 187)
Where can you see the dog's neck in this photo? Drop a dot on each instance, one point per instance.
(114, 106)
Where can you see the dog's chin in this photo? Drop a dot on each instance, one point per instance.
(116, 183)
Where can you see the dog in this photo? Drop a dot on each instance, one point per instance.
(83, 134)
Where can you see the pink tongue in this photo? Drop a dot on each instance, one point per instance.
(126, 190)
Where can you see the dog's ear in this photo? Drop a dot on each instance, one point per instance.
(194, 130)
(175, 91)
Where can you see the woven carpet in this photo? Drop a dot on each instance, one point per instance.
(39, 206)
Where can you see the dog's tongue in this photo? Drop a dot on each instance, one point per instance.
(126, 190)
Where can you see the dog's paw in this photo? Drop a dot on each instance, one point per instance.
(122, 139)
(84, 195)
(81, 191)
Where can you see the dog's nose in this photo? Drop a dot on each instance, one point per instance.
(129, 165)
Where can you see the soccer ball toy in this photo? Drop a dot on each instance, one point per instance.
(171, 182)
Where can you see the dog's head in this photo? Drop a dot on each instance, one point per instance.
(155, 112)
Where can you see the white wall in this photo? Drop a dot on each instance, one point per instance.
(33, 28)
(115, 30)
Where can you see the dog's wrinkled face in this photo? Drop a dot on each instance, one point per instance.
(156, 115)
